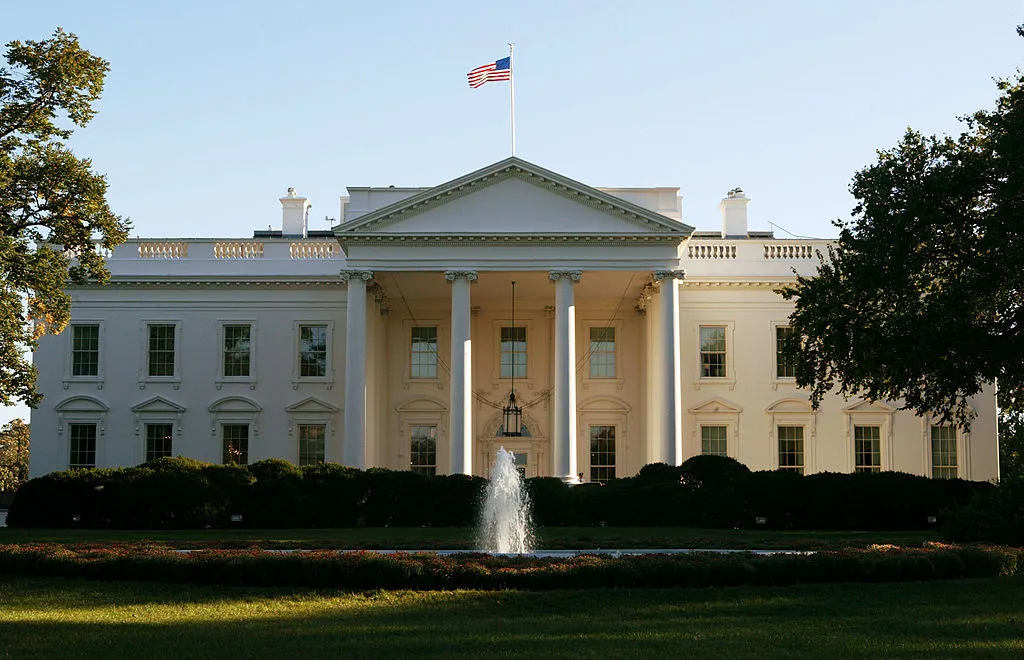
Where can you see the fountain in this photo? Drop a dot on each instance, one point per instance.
(506, 525)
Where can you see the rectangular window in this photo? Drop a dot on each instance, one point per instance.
(312, 443)
(161, 349)
(237, 350)
(83, 445)
(424, 353)
(785, 364)
(313, 351)
(236, 444)
(944, 463)
(866, 449)
(423, 450)
(713, 440)
(85, 350)
(602, 352)
(602, 453)
(712, 352)
(791, 448)
(513, 352)
(158, 441)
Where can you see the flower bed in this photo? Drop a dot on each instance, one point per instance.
(369, 570)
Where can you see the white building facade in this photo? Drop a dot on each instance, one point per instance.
(389, 341)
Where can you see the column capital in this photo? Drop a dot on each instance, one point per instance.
(452, 275)
(660, 275)
(349, 273)
(574, 275)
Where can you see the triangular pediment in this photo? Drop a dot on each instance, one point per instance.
(716, 405)
(869, 407)
(158, 404)
(509, 198)
(312, 405)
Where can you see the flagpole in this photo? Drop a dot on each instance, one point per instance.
(512, 93)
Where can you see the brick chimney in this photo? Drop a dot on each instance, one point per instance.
(294, 211)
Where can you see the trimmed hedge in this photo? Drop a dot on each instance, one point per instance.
(425, 571)
(705, 491)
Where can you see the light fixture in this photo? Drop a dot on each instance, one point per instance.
(513, 413)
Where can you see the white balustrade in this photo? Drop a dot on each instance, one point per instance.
(314, 249)
(788, 251)
(238, 250)
(163, 250)
(711, 251)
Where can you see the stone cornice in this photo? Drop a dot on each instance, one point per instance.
(737, 284)
(213, 284)
(440, 240)
(513, 168)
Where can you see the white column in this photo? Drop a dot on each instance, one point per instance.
(563, 440)
(668, 378)
(461, 408)
(353, 449)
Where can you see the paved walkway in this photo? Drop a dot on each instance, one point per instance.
(3, 517)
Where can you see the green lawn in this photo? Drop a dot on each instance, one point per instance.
(463, 538)
(47, 618)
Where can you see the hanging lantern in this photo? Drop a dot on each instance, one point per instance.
(513, 413)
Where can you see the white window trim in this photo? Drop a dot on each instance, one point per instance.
(877, 414)
(82, 409)
(717, 412)
(588, 381)
(144, 377)
(773, 377)
(234, 410)
(69, 344)
(532, 349)
(730, 355)
(794, 412)
(304, 420)
(963, 447)
(603, 411)
(157, 410)
(443, 340)
(313, 411)
(219, 378)
(328, 378)
(67, 440)
(423, 411)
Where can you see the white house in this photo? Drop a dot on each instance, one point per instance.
(389, 341)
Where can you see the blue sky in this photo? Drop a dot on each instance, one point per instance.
(212, 109)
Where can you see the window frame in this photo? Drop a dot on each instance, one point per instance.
(299, 426)
(423, 468)
(869, 413)
(729, 378)
(71, 425)
(144, 377)
(145, 435)
(774, 378)
(613, 466)
(588, 381)
(69, 359)
(220, 379)
(413, 352)
(328, 377)
(792, 411)
(874, 466)
(534, 342)
(224, 440)
(931, 452)
(802, 467)
(724, 439)
(715, 412)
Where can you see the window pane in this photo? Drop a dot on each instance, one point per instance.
(83, 445)
(424, 353)
(791, 448)
(237, 346)
(236, 444)
(161, 350)
(313, 350)
(602, 453)
(312, 443)
(867, 449)
(944, 459)
(85, 350)
(602, 352)
(785, 366)
(712, 352)
(423, 450)
(158, 441)
(513, 352)
(713, 440)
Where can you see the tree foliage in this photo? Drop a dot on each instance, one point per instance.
(53, 208)
(14, 438)
(1011, 445)
(921, 300)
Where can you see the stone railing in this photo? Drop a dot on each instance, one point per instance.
(789, 251)
(314, 249)
(711, 251)
(237, 250)
(163, 250)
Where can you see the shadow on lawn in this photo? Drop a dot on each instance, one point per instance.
(970, 617)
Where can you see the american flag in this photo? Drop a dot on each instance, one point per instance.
(498, 70)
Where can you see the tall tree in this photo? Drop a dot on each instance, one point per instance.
(14, 438)
(921, 300)
(53, 208)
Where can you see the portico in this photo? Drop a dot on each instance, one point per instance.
(474, 236)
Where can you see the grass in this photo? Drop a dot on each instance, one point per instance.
(43, 618)
(463, 538)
